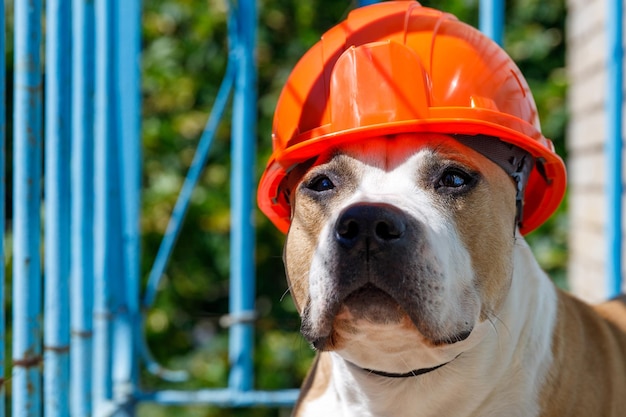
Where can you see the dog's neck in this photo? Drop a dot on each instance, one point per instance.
(515, 352)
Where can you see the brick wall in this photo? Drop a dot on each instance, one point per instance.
(586, 59)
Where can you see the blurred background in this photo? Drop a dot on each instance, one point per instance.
(184, 57)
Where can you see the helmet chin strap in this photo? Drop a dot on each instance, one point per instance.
(513, 160)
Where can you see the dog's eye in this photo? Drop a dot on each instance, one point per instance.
(321, 183)
(454, 178)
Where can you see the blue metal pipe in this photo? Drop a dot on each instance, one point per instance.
(614, 94)
(491, 19)
(27, 332)
(2, 210)
(107, 262)
(82, 206)
(243, 136)
(57, 225)
(126, 323)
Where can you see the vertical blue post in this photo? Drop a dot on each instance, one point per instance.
(82, 184)
(491, 19)
(242, 284)
(2, 211)
(26, 210)
(614, 94)
(126, 329)
(107, 269)
(57, 203)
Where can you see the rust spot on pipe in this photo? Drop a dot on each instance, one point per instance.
(28, 362)
(57, 349)
(83, 334)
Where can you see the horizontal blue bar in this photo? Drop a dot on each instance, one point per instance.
(222, 397)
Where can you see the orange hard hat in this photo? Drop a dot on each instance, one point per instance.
(397, 67)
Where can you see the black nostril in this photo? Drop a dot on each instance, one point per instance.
(348, 229)
(370, 224)
(387, 230)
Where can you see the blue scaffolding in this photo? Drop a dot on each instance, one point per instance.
(84, 322)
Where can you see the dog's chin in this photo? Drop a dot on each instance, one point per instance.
(366, 311)
(365, 307)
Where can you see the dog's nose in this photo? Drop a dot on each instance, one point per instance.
(371, 224)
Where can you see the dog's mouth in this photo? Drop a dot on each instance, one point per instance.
(372, 304)
(368, 304)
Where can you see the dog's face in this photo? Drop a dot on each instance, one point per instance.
(400, 249)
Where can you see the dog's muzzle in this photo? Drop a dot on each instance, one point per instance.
(380, 266)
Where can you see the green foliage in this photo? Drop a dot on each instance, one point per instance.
(184, 58)
(535, 39)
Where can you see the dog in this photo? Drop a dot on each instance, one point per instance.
(422, 298)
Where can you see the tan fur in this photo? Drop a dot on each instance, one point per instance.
(487, 203)
(588, 377)
(614, 311)
(306, 224)
(316, 382)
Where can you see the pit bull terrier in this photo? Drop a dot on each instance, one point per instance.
(422, 297)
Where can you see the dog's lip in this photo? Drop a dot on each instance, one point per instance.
(368, 291)
(324, 339)
(371, 303)
(459, 337)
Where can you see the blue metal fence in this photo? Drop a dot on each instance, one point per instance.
(90, 307)
(89, 304)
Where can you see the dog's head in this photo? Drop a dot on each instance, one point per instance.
(400, 247)
(402, 242)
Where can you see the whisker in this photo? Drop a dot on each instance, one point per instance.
(501, 322)
(287, 291)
